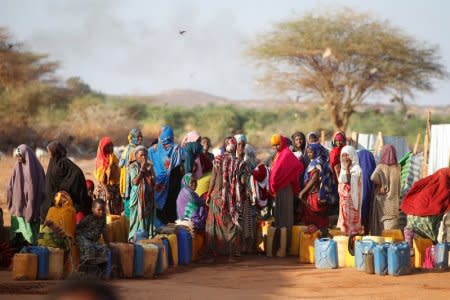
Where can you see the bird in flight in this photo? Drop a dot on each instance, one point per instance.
(182, 32)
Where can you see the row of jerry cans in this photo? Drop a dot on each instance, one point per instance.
(387, 258)
(144, 259)
(40, 263)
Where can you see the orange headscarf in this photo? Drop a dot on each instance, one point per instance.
(106, 163)
(63, 214)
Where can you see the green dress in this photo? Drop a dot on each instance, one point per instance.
(142, 208)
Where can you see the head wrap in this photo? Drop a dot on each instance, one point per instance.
(339, 136)
(166, 135)
(57, 150)
(302, 135)
(186, 181)
(90, 185)
(241, 138)
(351, 152)
(102, 156)
(275, 140)
(26, 187)
(191, 137)
(388, 155)
(139, 149)
(62, 198)
(133, 136)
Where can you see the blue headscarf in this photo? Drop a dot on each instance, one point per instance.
(327, 190)
(367, 164)
(165, 156)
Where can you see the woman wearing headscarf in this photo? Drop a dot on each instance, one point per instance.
(312, 138)
(319, 191)
(192, 136)
(247, 213)
(350, 192)
(25, 195)
(299, 143)
(60, 224)
(338, 143)
(107, 173)
(189, 205)
(127, 157)
(367, 164)
(142, 188)
(386, 179)
(192, 162)
(64, 175)
(166, 158)
(222, 223)
(284, 182)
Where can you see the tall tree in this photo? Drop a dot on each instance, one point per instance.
(342, 58)
(18, 67)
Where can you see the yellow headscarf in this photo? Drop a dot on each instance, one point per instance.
(275, 140)
(63, 214)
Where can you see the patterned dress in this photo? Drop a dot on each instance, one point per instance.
(88, 234)
(222, 224)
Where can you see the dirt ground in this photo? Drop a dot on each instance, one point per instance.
(258, 278)
(255, 277)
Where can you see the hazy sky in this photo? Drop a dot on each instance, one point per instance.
(134, 46)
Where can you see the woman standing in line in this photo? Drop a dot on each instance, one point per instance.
(350, 192)
(386, 179)
(107, 173)
(25, 195)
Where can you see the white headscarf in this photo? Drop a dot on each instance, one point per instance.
(355, 175)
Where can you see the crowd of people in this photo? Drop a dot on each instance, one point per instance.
(227, 197)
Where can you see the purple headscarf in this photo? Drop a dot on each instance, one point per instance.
(25, 192)
(388, 155)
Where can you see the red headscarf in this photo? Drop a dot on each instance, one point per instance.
(388, 155)
(335, 153)
(286, 169)
(102, 160)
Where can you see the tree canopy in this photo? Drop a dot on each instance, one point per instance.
(341, 58)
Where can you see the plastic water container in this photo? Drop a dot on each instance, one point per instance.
(56, 263)
(342, 249)
(362, 247)
(173, 243)
(184, 239)
(441, 256)
(138, 264)
(295, 238)
(368, 262)
(399, 262)
(126, 258)
(140, 235)
(168, 252)
(150, 260)
(198, 240)
(420, 245)
(380, 260)
(325, 254)
(24, 266)
(376, 239)
(108, 271)
(395, 234)
(43, 260)
(306, 250)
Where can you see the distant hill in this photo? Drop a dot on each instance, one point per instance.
(192, 98)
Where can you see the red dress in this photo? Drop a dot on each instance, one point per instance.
(313, 212)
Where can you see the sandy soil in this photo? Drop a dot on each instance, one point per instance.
(259, 278)
(255, 277)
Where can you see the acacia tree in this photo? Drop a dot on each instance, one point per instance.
(344, 57)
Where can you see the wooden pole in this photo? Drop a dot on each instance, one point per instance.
(354, 140)
(426, 146)
(322, 137)
(416, 145)
(379, 143)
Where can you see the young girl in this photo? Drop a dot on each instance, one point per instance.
(350, 192)
(88, 233)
